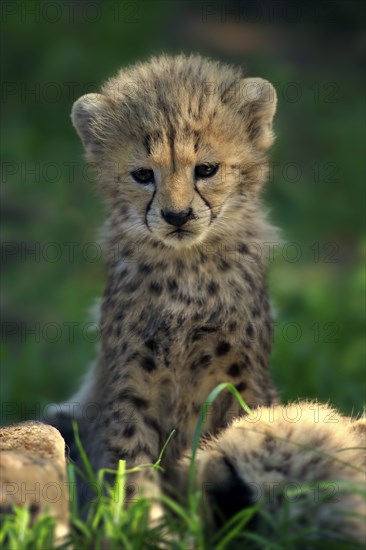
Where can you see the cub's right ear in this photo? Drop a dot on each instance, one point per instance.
(86, 116)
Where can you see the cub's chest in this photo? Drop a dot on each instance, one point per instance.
(186, 284)
(170, 303)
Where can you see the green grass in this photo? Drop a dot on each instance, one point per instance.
(18, 532)
(110, 524)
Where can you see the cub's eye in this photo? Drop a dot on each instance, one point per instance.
(143, 175)
(206, 170)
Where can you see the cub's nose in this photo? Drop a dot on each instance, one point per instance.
(178, 218)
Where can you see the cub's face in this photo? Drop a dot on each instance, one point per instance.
(178, 186)
(178, 143)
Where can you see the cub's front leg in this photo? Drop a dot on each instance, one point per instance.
(136, 419)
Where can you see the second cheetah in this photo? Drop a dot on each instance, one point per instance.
(301, 465)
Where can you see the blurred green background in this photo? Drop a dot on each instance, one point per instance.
(56, 51)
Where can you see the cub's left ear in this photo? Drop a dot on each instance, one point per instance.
(258, 101)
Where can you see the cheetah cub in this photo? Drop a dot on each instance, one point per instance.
(302, 464)
(179, 146)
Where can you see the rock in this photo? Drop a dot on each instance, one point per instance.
(33, 472)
